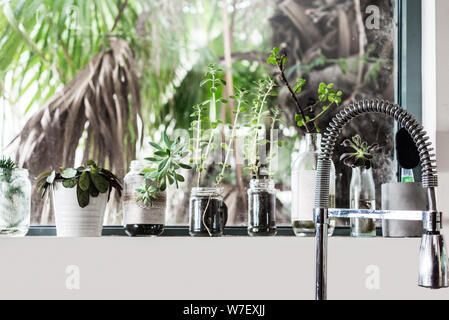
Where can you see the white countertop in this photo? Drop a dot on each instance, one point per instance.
(207, 268)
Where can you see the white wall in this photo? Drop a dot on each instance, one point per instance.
(435, 50)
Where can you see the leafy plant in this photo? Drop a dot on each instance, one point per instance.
(362, 153)
(89, 180)
(166, 162)
(7, 167)
(241, 107)
(275, 112)
(327, 97)
(258, 113)
(204, 124)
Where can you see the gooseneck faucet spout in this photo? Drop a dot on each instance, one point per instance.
(433, 272)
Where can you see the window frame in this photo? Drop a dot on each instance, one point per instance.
(408, 94)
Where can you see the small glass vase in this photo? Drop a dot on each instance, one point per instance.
(304, 171)
(15, 202)
(139, 219)
(261, 208)
(362, 196)
(207, 212)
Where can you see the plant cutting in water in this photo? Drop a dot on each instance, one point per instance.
(361, 155)
(166, 162)
(307, 116)
(89, 180)
(256, 136)
(205, 127)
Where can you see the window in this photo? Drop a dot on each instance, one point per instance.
(44, 45)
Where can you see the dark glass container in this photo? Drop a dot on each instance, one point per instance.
(207, 212)
(261, 208)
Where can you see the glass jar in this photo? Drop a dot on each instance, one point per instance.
(261, 208)
(362, 196)
(15, 202)
(139, 219)
(304, 171)
(207, 212)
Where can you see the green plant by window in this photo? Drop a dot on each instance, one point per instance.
(89, 180)
(166, 162)
(327, 96)
(361, 155)
(258, 114)
(204, 125)
(7, 167)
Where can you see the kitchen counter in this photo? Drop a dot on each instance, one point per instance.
(207, 268)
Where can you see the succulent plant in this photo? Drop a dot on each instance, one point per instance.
(362, 154)
(89, 180)
(166, 162)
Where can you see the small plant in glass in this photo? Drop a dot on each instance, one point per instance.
(207, 211)
(145, 193)
(261, 191)
(15, 199)
(362, 187)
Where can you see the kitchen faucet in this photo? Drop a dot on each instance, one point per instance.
(433, 272)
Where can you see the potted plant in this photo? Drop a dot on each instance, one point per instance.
(15, 199)
(80, 198)
(144, 194)
(305, 165)
(261, 191)
(207, 210)
(362, 187)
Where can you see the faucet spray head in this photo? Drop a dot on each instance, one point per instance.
(433, 262)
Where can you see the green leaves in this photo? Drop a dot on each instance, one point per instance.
(90, 180)
(84, 181)
(82, 196)
(99, 181)
(361, 155)
(69, 173)
(299, 84)
(163, 171)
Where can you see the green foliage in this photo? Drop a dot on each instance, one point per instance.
(362, 154)
(258, 115)
(239, 97)
(90, 181)
(326, 95)
(7, 167)
(275, 114)
(166, 162)
(202, 126)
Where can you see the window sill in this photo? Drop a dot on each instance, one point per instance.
(183, 231)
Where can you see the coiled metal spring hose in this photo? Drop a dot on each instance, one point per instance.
(429, 174)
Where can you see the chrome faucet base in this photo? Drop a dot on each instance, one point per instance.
(433, 262)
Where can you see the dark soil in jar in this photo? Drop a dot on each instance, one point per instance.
(142, 230)
(215, 216)
(262, 214)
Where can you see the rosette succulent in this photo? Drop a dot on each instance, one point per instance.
(361, 154)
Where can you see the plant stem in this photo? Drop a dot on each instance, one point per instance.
(228, 151)
(256, 136)
(293, 95)
(197, 147)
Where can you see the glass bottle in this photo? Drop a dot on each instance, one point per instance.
(261, 208)
(304, 171)
(15, 202)
(139, 219)
(362, 196)
(207, 212)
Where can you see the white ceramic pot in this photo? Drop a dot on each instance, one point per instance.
(74, 221)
